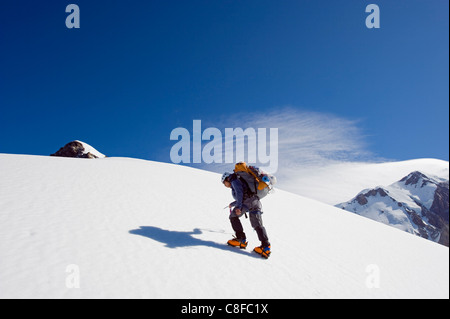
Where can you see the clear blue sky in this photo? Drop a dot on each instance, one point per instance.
(135, 70)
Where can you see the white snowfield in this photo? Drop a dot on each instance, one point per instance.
(127, 228)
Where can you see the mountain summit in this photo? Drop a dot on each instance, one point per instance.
(78, 149)
(417, 204)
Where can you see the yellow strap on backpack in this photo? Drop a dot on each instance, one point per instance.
(242, 167)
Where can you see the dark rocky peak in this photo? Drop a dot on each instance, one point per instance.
(78, 149)
(362, 198)
(440, 204)
(415, 178)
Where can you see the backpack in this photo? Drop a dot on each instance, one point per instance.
(258, 182)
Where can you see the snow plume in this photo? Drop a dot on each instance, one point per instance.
(306, 140)
(309, 138)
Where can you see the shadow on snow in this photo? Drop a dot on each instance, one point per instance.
(180, 239)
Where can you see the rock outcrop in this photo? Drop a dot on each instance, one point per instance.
(78, 149)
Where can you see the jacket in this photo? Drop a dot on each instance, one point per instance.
(240, 192)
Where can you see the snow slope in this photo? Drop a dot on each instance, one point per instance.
(127, 228)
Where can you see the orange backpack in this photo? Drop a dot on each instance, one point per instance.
(258, 182)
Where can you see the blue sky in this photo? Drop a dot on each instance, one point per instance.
(136, 70)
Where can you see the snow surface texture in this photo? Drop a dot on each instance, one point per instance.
(127, 228)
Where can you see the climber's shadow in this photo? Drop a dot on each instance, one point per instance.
(176, 239)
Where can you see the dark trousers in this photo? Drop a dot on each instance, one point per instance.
(255, 221)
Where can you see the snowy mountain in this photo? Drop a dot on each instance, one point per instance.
(78, 149)
(127, 228)
(417, 204)
(337, 183)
